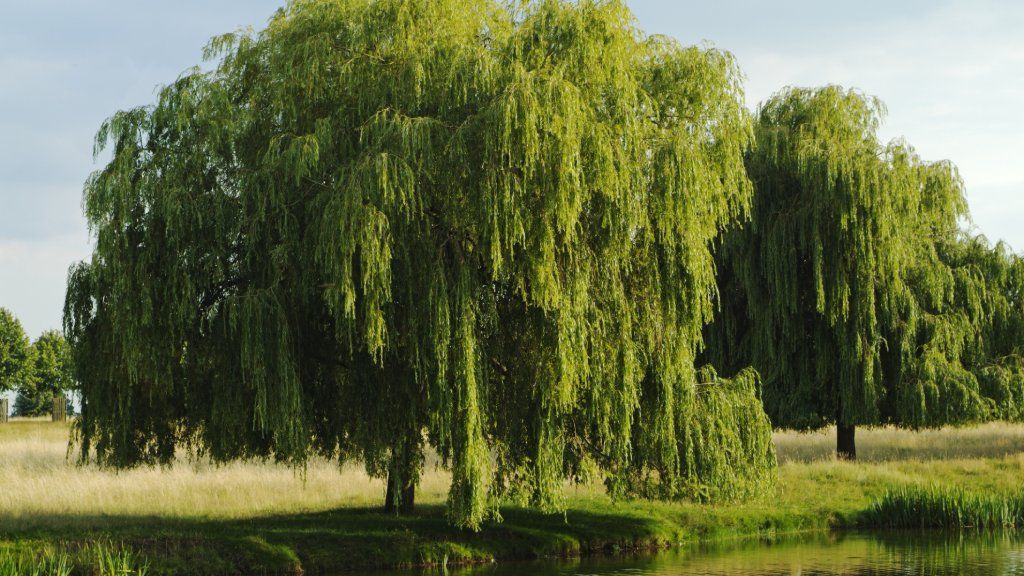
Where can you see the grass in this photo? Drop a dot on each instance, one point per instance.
(44, 564)
(946, 507)
(99, 559)
(38, 482)
(262, 518)
(993, 440)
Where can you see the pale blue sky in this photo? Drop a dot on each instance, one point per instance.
(951, 72)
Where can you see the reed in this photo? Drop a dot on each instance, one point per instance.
(945, 507)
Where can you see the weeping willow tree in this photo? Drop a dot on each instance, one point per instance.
(987, 290)
(380, 227)
(837, 291)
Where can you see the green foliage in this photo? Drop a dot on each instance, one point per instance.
(14, 351)
(989, 292)
(47, 374)
(378, 223)
(724, 445)
(840, 291)
(944, 507)
(30, 404)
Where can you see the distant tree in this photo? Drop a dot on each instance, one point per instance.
(29, 404)
(378, 226)
(14, 351)
(48, 374)
(836, 291)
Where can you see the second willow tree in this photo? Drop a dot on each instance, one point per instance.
(836, 291)
(378, 227)
(985, 330)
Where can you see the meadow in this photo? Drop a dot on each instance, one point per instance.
(266, 517)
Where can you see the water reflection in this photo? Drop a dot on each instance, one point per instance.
(886, 554)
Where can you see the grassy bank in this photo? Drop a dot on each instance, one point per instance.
(262, 518)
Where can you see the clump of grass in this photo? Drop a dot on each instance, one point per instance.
(945, 507)
(115, 561)
(43, 564)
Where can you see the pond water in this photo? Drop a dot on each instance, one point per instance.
(878, 554)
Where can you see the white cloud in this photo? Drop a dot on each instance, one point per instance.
(951, 75)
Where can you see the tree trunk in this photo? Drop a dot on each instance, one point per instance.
(408, 505)
(846, 446)
(405, 502)
(403, 475)
(389, 496)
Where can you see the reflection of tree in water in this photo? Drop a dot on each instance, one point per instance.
(877, 554)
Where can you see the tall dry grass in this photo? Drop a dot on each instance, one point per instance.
(888, 444)
(38, 479)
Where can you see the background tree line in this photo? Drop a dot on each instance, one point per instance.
(36, 371)
(528, 238)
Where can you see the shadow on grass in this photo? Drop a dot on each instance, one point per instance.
(343, 540)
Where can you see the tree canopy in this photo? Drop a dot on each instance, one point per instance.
(837, 291)
(48, 373)
(14, 351)
(380, 225)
